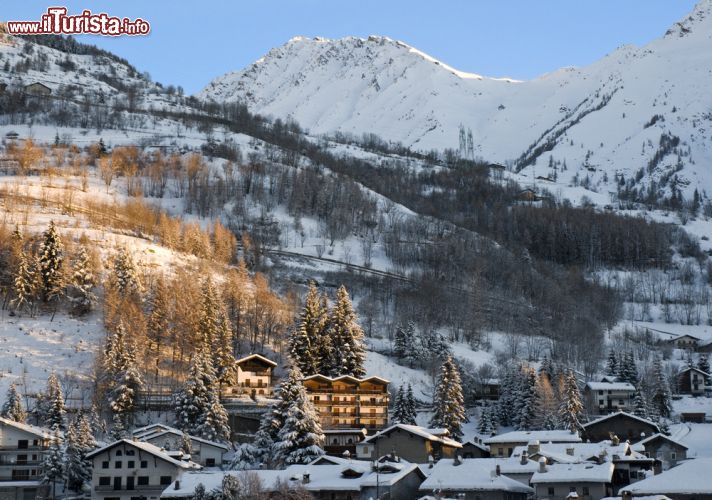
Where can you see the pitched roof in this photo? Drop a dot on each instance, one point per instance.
(470, 475)
(583, 472)
(554, 436)
(32, 429)
(618, 414)
(610, 386)
(693, 369)
(148, 448)
(176, 432)
(256, 356)
(345, 377)
(689, 478)
(683, 336)
(416, 431)
(659, 436)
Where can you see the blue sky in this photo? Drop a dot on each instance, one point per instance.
(193, 42)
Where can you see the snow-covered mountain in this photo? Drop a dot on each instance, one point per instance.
(604, 119)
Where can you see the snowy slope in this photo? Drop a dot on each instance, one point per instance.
(387, 87)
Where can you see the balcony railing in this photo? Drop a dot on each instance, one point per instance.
(145, 487)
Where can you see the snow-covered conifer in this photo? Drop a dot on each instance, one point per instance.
(448, 401)
(349, 351)
(56, 412)
(12, 408)
(661, 399)
(23, 285)
(308, 332)
(640, 406)
(82, 283)
(571, 407)
(126, 277)
(612, 363)
(53, 465)
(51, 261)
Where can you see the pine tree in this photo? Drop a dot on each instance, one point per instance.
(661, 400)
(23, 285)
(704, 364)
(126, 277)
(53, 465)
(487, 423)
(246, 457)
(82, 283)
(506, 400)
(158, 323)
(77, 471)
(349, 351)
(12, 408)
(264, 443)
(56, 412)
(197, 406)
(448, 401)
(224, 360)
(640, 407)
(632, 370)
(410, 405)
(404, 348)
(612, 363)
(571, 408)
(51, 261)
(123, 376)
(400, 411)
(527, 406)
(400, 343)
(300, 440)
(209, 314)
(310, 328)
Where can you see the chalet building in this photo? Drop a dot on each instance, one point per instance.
(254, 377)
(687, 481)
(686, 341)
(517, 467)
(488, 389)
(665, 449)
(503, 445)
(348, 402)
(37, 89)
(471, 480)
(351, 480)
(132, 469)
(695, 417)
(560, 481)
(692, 381)
(338, 441)
(621, 424)
(23, 449)
(475, 448)
(203, 452)
(601, 398)
(411, 442)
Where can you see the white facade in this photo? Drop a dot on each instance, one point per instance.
(22, 452)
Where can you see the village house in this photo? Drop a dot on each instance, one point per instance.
(685, 341)
(204, 452)
(559, 481)
(475, 448)
(503, 445)
(37, 89)
(471, 480)
(254, 377)
(668, 451)
(621, 424)
(348, 402)
(131, 469)
(692, 381)
(338, 441)
(23, 449)
(488, 389)
(688, 481)
(411, 442)
(354, 480)
(520, 468)
(603, 397)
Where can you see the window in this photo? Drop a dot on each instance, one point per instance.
(600, 393)
(131, 464)
(210, 462)
(117, 483)
(585, 491)
(130, 483)
(673, 456)
(105, 465)
(22, 444)
(500, 452)
(621, 402)
(117, 464)
(144, 464)
(104, 481)
(130, 453)
(572, 489)
(143, 480)
(550, 491)
(166, 480)
(118, 453)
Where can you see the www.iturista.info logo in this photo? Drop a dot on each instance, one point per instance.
(56, 21)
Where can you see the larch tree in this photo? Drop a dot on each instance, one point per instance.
(448, 401)
(571, 407)
(349, 351)
(545, 403)
(12, 409)
(301, 438)
(158, 324)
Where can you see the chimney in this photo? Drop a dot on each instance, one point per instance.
(542, 465)
(305, 477)
(525, 458)
(498, 470)
(626, 495)
(533, 447)
(570, 451)
(430, 461)
(615, 440)
(457, 460)
(177, 484)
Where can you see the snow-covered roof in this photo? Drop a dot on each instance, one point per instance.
(683, 336)
(321, 478)
(617, 414)
(693, 369)
(610, 386)
(256, 356)
(509, 465)
(555, 436)
(32, 429)
(148, 448)
(641, 444)
(177, 432)
(469, 475)
(319, 376)
(577, 452)
(417, 431)
(689, 478)
(580, 473)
